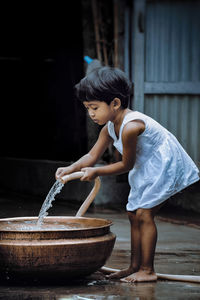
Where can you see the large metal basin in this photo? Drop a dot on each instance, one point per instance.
(64, 247)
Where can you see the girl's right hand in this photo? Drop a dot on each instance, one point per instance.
(63, 171)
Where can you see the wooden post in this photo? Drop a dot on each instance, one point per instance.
(96, 29)
(103, 40)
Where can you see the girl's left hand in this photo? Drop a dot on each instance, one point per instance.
(89, 174)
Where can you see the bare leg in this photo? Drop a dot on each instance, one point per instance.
(148, 239)
(135, 249)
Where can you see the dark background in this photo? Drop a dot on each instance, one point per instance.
(41, 58)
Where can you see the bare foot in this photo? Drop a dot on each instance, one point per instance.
(121, 274)
(140, 276)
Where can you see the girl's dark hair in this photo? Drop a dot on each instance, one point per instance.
(104, 84)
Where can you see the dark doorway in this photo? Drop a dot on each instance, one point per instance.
(41, 58)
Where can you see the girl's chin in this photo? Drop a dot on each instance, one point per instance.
(101, 123)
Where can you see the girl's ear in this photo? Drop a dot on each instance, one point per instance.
(116, 103)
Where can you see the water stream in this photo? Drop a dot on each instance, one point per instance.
(56, 189)
(32, 225)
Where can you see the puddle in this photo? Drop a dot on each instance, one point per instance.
(100, 289)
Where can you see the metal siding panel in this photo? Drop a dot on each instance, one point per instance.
(156, 46)
(184, 109)
(172, 45)
(164, 44)
(185, 42)
(126, 41)
(172, 55)
(194, 130)
(165, 111)
(181, 116)
(195, 45)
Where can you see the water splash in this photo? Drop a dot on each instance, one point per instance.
(56, 189)
(32, 225)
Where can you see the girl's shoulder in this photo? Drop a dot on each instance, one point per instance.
(139, 125)
(148, 121)
(134, 115)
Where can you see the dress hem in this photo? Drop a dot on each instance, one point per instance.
(165, 199)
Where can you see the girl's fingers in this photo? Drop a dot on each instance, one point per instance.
(83, 178)
(60, 173)
(84, 169)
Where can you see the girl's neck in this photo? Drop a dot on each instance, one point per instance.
(120, 116)
(119, 119)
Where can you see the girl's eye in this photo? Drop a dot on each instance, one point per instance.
(94, 108)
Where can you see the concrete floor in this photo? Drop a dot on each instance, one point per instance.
(177, 252)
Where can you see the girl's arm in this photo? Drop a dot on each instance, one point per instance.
(129, 140)
(91, 157)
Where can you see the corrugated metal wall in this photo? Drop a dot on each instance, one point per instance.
(172, 41)
(181, 116)
(172, 55)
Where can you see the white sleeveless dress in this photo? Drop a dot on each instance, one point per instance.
(162, 166)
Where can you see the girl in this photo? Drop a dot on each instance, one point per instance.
(157, 164)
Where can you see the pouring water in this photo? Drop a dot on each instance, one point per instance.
(56, 189)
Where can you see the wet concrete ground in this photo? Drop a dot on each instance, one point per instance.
(177, 252)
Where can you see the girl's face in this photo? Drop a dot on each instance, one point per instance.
(100, 112)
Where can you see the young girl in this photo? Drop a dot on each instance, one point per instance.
(158, 165)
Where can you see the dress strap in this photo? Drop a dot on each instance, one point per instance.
(134, 115)
(111, 130)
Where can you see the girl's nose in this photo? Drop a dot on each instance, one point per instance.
(91, 114)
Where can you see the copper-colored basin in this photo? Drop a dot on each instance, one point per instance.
(64, 247)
